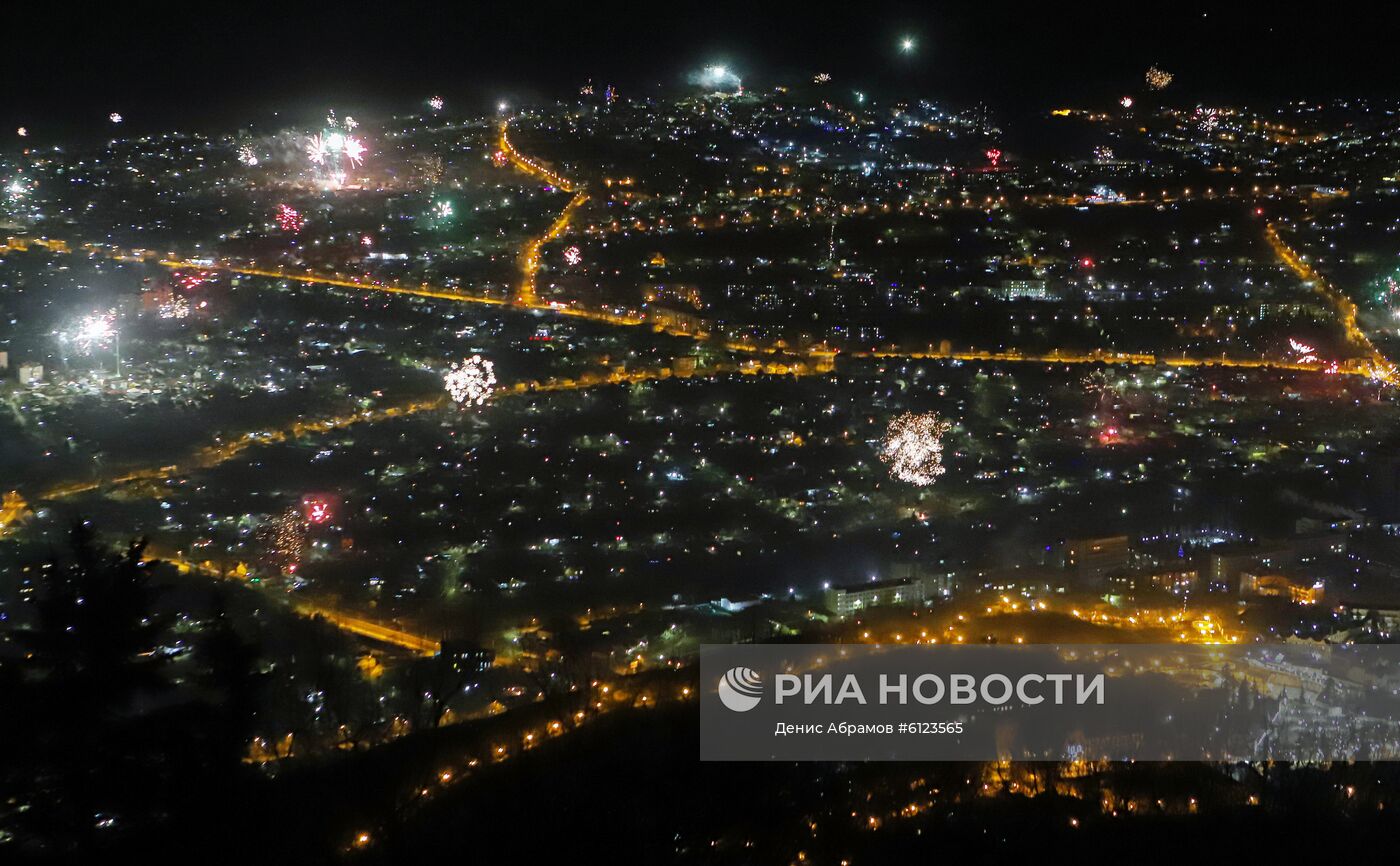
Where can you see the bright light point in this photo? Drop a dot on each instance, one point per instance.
(95, 328)
(906, 44)
(22, 132)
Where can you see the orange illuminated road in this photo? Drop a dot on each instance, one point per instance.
(530, 256)
(1374, 365)
(366, 628)
(1379, 366)
(220, 452)
(1352, 367)
(376, 631)
(526, 296)
(13, 509)
(528, 164)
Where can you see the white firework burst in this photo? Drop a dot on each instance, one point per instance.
(1305, 353)
(1207, 119)
(913, 447)
(436, 103)
(316, 149)
(354, 150)
(471, 382)
(247, 156)
(573, 255)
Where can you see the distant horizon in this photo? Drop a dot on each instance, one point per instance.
(216, 69)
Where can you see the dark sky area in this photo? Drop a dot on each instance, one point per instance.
(220, 67)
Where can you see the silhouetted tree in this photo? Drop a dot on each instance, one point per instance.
(90, 672)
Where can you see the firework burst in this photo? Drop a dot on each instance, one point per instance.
(572, 256)
(289, 219)
(178, 307)
(285, 539)
(317, 510)
(316, 150)
(1157, 79)
(471, 382)
(1303, 352)
(93, 333)
(430, 169)
(913, 447)
(354, 151)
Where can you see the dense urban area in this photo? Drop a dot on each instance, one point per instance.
(371, 483)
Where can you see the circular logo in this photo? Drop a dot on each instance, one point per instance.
(740, 689)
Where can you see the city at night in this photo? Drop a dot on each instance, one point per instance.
(714, 434)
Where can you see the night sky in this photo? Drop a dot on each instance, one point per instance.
(221, 68)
